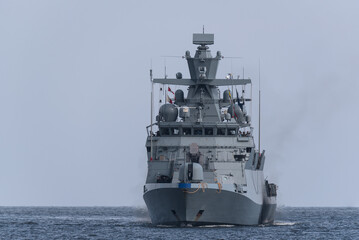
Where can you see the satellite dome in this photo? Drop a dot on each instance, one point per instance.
(179, 96)
(168, 112)
(179, 75)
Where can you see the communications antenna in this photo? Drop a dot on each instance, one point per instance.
(259, 109)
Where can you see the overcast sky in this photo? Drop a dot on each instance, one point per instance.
(74, 93)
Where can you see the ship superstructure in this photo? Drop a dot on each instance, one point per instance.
(203, 166)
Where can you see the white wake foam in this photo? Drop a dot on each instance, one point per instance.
(284, 223)
(217, 226)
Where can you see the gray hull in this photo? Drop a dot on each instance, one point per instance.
(203, 165)
(174, 206)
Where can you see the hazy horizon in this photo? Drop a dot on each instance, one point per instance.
(75, 92)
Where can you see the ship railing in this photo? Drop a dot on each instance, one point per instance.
(149, 131)
(211, 82)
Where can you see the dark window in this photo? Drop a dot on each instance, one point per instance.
(186, 131)
(174, 131)
(239, 157)
(198, 131)
(221, 131)
(164, 179)
(208, 131)
(231, 131)
(248, 149)
(165, 131)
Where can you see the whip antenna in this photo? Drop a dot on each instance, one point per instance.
(259, 109)
(151, 132)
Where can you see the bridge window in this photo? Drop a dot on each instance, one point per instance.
(208, 131)
(231, 131)
(198, 131)
(165, 131)
(221, 131)
(186, 131)
(174, 131)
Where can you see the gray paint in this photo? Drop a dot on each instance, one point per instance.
(67, 68)
(219, 208)
(193, 150)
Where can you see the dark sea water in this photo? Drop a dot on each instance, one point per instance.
(133, 223)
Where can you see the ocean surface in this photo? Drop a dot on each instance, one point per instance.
(134, 223)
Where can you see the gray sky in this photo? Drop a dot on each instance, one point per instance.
(74, 93)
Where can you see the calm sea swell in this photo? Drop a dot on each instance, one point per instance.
(133, 223)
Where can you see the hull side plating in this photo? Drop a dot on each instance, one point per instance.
(175, 206)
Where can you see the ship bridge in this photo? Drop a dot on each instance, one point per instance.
(205, 116)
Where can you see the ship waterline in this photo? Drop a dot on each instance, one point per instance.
(207, 205)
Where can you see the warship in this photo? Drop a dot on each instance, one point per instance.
(203, 164)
